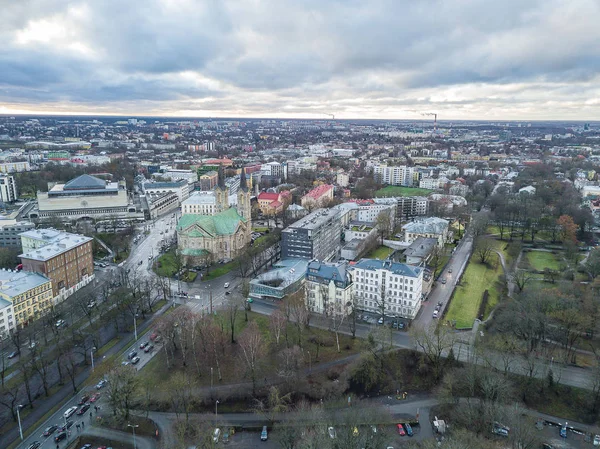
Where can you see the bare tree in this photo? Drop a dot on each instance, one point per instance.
(252, 350)
(521, 278)
(383, 223)
(122, 388)
(434, 343)
(484, 248)
(233, 306)
(277, 322)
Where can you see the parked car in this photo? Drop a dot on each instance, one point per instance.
(409, 430)
(401, 430)
(597, 440)
(101, 384)
(91, 304)
(13, 354)
(264, 435)
(60, 323)
(449, 270)
(435, 313)
(83, 409)
(49, 430)
(153, 336)
(216, 435)
(443, 281)
(563, 431)
(380, 320)
(86, 446)
(70, 411)
(331, 432)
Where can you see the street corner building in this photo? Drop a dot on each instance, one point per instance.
(222, 235)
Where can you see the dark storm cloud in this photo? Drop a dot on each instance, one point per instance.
(300, 56)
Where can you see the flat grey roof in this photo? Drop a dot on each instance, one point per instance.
(314, 220)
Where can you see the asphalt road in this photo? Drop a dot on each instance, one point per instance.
(441, 293)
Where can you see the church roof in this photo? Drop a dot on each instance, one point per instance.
(85, 182)
(223, 223)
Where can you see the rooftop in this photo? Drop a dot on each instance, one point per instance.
(200, 198)
(421, 247)
(268, 196)
(314, 220)
(164, 185)
(284, 273)
(393, 267)
(56, 242)
(329, 271)
(85, 182)
(319, 191)
(14, 283)
(430, 225)
(223, 223)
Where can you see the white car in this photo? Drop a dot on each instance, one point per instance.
(435, 313)
(331, 432)
(70, 412)
(226, 285)
(597, 440)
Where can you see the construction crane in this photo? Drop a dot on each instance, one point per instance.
(434, 119)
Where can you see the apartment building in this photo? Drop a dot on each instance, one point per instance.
(406, 206)
(431, 227)
(65, 258)
(328, 288)
(200, 203)
(318, 197)
(10, 231)
(386, 287)
(8, 189)
(397, 175)
(316, 236)
(27, 295)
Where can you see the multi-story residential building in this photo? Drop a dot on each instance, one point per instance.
(10, 231)
(342, 179)
(270, 203)
(430, 227)
(208, 180)
(200, 203)
(181, 188)
(318, 197)
(316, 236)
(14, 167)
(8, 189)
(157, 204)
(29, 295)
(84, 197)
(407, 206)
(429, 183)
(397, 175)
(387, 288)
(328, 288)
(368, 213)
(275, 169)
(7, 318)
(65, 258)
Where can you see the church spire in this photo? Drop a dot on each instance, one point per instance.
(221, 180)
(243, 183)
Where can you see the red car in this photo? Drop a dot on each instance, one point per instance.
(95, 397)
(401, 431)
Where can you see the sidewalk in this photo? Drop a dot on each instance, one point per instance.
(43, 405)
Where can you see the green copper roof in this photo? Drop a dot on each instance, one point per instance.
(223, 223)
(193, 252)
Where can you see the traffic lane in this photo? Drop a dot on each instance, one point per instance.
(58, 419)
(144, 357)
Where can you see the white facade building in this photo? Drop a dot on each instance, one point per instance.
(8, 189)
(399, 175)
(328, 288)
(200, 203)
(390, 288)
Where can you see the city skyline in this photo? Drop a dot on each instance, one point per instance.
(474, 60)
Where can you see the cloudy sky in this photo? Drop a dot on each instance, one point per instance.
(464, 59)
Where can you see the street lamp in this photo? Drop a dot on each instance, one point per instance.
(133, 430)
(92, 355)
(135, 325)
(19, 407)
(216, 410)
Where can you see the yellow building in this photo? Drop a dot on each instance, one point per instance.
(30, 294)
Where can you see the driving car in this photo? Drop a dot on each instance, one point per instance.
(264, 435)
(435, 314)
(86, 446)
(401, 431)
(131, 355)
(49, 430)
(34, 445)
(226, 285)
(95, 397)
(100, 384)
(597, 440)
(563, 431)
(148, 348)
(70, 412)
(84, 399)
(144, 344)
(443, 281)
(13, 354)
(61, 436)
(83, 409)
(135, 360)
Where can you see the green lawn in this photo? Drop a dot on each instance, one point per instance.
(380, 253)
(166, 265)
(218, 270)
(540, 260)
(402, 191)
(467, 297)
